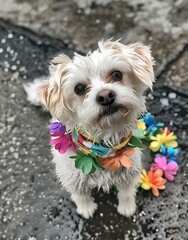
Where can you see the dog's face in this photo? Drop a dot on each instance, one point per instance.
(101, 91)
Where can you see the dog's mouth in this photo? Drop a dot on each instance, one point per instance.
(111, 110)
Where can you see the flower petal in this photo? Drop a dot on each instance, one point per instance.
(171, 143)
(155, 192)
(154, 146)
(146, 186)
(162, 186)
(155, 166)
(87, 167)
(111, 163)
(129, 151)
(163, 149)
(161, 161)
(172, 166)
(125, 161)
(169, 176)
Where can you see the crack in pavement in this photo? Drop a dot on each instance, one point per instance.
(172, 61)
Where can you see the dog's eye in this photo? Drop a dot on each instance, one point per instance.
(80, 89)
(117, 75)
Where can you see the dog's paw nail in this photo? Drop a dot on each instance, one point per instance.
(126, 210)
(88, 210)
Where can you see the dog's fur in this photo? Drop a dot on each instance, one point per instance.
(94, 70)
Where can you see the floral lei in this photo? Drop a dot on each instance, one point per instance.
(91, 156)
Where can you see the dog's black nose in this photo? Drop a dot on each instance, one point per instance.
(106, 97)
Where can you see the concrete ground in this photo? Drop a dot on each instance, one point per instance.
(33, 205)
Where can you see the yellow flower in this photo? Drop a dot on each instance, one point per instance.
(144, 180)
(166, 138)
(152, 180)
(142, 125)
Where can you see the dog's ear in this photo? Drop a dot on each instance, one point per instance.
(138, 56)
(142, 63)
(50, 91)
(61, 59)
(51, 97)
(42, 93)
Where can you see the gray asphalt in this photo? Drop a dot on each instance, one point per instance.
(33, 205)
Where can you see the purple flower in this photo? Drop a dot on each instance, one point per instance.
(57, 127)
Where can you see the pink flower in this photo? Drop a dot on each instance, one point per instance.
(169, 169)
(62, 142)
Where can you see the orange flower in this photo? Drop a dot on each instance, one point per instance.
(114, 163)
(152, 180)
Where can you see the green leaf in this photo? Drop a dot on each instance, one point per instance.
(158, 131)
(80, 153)
(85, 158)
(93, 170)
(97, 166)
(87, 167)
(148, 138)
(135, 142)
(139, 133)
(76, 157)
(87, 162)
(93, 155)
(79, 163)
(130, 146)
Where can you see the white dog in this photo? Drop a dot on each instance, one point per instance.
(102, 95)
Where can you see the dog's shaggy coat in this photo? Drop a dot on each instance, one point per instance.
(94, 74)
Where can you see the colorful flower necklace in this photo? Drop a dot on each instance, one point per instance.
(93, 156)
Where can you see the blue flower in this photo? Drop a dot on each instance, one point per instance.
(151, 124)
(170, 153)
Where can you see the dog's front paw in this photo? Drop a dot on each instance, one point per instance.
(127, 209)
(87, 210)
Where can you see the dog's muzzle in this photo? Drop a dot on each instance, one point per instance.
(106, 97)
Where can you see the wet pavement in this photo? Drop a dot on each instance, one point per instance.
(81, 23)
(33, 205)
